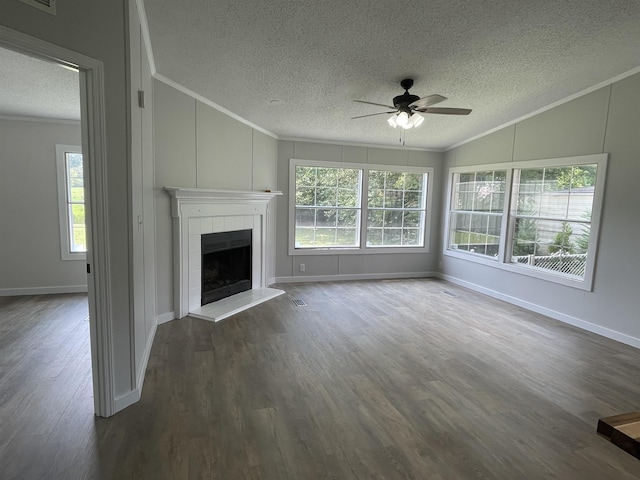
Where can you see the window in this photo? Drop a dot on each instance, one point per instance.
(396, 209)
(363, 209)
(71, 202)
(552, 217)
(327, 207)
(537, 218)
(476, 213)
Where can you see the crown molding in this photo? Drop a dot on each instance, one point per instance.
(341, 143)
(19, 118)
(200, 98)
(144, 26)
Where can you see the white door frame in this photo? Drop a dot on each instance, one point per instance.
(95, 163)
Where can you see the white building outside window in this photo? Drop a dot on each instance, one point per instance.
(538, 218)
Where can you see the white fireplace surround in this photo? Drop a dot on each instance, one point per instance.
(197, 212)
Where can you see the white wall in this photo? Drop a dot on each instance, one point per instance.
(97, 29)
(142, 218)
(197, 146)
(349, 265)
(604, 121)
(30, 231)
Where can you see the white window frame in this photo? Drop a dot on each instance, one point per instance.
(503, 217)
(362, 248)
(503, 260)
(63, 210)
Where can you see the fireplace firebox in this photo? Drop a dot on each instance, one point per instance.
(226, 264)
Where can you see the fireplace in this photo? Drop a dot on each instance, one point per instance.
(226, 264)
(198, 212)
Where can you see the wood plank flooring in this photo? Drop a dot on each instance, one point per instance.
(46, 392)
(371, 380)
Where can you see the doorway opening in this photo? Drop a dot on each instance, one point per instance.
(90, 99)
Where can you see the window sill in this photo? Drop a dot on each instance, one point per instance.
(357, 251)
(74, 256)
(580, 284)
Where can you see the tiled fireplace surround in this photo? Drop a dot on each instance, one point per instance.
(198, 212)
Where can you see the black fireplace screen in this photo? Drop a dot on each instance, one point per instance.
(226, 264)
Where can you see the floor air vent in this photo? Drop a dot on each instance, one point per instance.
(48, 6)
(450, 294)
(299, 303)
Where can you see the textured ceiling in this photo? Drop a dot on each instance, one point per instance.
(31, 87)
(293, 68)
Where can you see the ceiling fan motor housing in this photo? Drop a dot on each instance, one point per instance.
(406, 98)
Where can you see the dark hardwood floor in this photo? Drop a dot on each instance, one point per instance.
(46, 392)
(371, 380)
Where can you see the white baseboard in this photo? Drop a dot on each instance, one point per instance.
(576, 322)
(165, 317)
(356, 276)
(145, 359)
(126, 400)
(133, 396)
(14, 292)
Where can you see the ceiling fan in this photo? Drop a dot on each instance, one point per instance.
(406, 107)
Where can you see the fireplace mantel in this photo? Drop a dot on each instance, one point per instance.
(194, 196)
(198, 211)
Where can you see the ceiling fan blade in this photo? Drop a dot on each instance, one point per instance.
(377, 104)
(427, 101)
(446, 111)
(372, 114)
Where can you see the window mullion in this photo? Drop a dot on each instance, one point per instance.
(364, 206)
(67, 178)
(423, 213)
(507, 225)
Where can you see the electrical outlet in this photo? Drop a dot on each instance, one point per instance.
(440, 264)
(302, 267)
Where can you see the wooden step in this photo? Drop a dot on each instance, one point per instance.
(623, 431)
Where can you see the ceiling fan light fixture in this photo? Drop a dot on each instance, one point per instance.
(403, 120)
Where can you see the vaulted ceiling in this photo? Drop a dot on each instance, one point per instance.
(294, 68)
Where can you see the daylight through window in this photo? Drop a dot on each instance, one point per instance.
(476, 214)
(340, 206)
(71, 202)
(548, 227)
(327, 207)
(396, 209)
(552, 218)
